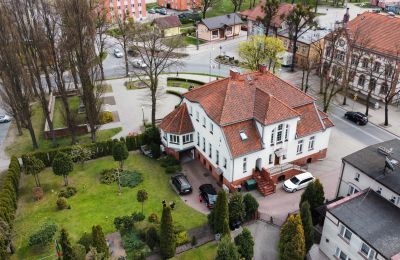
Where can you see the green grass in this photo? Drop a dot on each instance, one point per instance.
(151, 5)
(94, 203)
(58, 118)
(23, 144)
(226, 7)
(192, 40)
(207, 251)
(181, 83)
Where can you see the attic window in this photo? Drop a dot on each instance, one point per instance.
(243, 136)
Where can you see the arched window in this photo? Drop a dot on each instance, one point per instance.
(384, 88)
(361, 80)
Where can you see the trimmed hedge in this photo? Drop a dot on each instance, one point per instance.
(99, 149)
(8, 201)
(186, 80)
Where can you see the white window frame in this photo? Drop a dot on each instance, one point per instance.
(210, 150)
(287, 133)
(339, 252)
(188, 138)
(216, 157)
(165, 136)
(300, 146)
(229, 32)
(357, 177)
(204, 144)
(244, 164)
(311, 143)
(211, 128)
(197, 116)
(174, 139)
(279, 133)
(270, 159)
(352, 190)
(214, 36)
(225, 163)
(344, 232)
(273, 137)
(379, 190)
(191, 111)
(369, 254)
(198, 139)
(204, 121)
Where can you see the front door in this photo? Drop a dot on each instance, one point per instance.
(221, 33)
(258, 164)
(276, 160)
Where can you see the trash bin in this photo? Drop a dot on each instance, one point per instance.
(250, 184)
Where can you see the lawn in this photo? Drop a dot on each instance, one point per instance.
(207, 251)
(137, 84)
(189, 40)
(226, 7)
(59, 118)
(23, 144)
(94, 203)
(181, 83)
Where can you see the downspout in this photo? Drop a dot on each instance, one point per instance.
(340, 180)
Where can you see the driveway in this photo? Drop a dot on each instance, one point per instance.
(197, 175)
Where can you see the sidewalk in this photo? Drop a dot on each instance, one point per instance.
(376, 116)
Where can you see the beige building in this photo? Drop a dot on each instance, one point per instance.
(219, 27)
(169, 25)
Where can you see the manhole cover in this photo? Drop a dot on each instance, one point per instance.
(206, 174)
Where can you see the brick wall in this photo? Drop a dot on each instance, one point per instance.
(172, 152)
(63, 132)
(311, 158)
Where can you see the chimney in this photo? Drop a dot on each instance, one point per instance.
(262, 68)
(234, 74)
(346, 16)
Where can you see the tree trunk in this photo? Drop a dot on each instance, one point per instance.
(386, 113)
(367, 103)
(101, 69)
(302, 79)
(65, 180)
(204, 12)
(294, 52)
(32, 133)
(126, 60)
(119, 181)
(74, 76)
(307, 76)
(153, 107)
(69, 117)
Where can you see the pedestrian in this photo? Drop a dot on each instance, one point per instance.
(177, 74)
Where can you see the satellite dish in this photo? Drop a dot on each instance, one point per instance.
(389, 164)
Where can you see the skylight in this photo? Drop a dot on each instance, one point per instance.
(243, 136)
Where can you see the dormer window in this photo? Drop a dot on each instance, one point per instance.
(243, 136)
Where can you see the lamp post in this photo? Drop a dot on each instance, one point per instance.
(219, 63)
(197, 36)
(143, 116)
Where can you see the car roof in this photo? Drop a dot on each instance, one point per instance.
(182, 178)
(303, 175)
(208, 188)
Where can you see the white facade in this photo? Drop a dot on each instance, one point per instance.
(353, 180)
(339, 242)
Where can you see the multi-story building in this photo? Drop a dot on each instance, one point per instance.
(181, 5)
(366, 56)
(248, 126)
(120, 9)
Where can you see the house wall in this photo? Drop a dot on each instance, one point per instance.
(364, 182)
(203, 32)
(181, 5)
(136, 9)
(331, 239)
(172, 31)
(302, 54)
(166, 141)
(206, 34)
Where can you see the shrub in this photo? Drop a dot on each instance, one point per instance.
(152, 238)
(67, 192)
(106, 117)
(108, 176)
(169, 161)
(132, 241)
(86, 241)
(131, 178)
(245, 244)
(138, 216)
(44, 235)
(173, 169)
(152, 135)
(194, 240)
(181, 238)
(78, 252)
(62, 203)
(153, 218)
(99, 241)
(250, 206)
(37, 193)
(124, 223)
(155, 150)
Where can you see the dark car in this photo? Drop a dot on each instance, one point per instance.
(181, 184)
(208, 194)
(234, 224)
(356, 117)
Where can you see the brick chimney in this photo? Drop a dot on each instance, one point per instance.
(262, 68)
(234, 74)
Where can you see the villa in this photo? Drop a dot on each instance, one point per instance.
(248, 126)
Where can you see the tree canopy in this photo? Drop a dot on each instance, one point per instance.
(167, 235)
(62, 166)
(291, 243)
(307, 223)
(227, 250)
(245, 243)
(33, 166)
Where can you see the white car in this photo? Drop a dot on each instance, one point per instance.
(139, 63)
(4, 118)
(118, 53)
(298, 182)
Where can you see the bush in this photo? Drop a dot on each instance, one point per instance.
(79, 252)
(131, 178)
(138, 216)
(182, 238)
(153, 218)
(194, 240)
(106, 117)
(86, 241)
(250, 206)
(132, 242)
(152, 136)
(37, 193)
(62, 203)
(44, 235)
(169, 161)
(108, 176)
(67, 192)
(152, 238)
(173, 169)
(155, 150)
(124, 223)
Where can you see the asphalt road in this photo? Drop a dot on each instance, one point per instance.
(3, 129)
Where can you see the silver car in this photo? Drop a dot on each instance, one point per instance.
(4, 118)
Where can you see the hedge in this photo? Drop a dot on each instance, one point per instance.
(186, 80)
(99, 149)
(8, 200)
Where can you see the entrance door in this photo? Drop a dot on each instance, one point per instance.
(221, 33)
(258, 164)
(276, 160)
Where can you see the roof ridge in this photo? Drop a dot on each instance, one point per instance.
(183, 114)
(205, 85)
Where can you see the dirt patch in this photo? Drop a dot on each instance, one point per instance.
(109, 100)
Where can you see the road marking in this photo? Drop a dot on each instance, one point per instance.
(365, 132)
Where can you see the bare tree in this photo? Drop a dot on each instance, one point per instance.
(207, 4)
(236, 5)
(158, 55)
(313, 62)
(299, 20)
(270, 9)
(391, 79)
(121, 33)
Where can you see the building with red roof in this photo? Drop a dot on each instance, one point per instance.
(248, 126)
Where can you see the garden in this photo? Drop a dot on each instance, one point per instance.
(59, 118)
(183, 83)
(135, 84)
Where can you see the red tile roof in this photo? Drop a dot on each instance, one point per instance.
(382, 32)
(310, 121)
(257, 13)
(238, 146)
(178, 121)
(325, 119)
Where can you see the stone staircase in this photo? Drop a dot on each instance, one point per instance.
(265, 184)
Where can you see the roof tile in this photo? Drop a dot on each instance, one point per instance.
(178, 121)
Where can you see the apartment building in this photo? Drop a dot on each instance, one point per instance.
(135, 9)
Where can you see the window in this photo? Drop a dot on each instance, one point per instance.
(174, 139)
(384, 88)
(165, 136)
(204, 144)
(243, 135)
(228, 30)
(197, 116)
(341, 255)
(379, 190)
(270, 159)
(340, 55)
(214, 34)
(299, 146)
(273, 137)
(287, 133)
(328, 51)
(393, 199)
(361, 80)
(279, 133)
(211, 128)
(225, 162)
(198, 139)
(352, 190)
(187, 138)
(204, 121)
(377, 66)
(367, 251)
(345, 233)
(217, 157)
(354, 59)
(365, 63)
(245, 164)
(352, 75)
(210, 150)
(388, 70)
(357, 177)
(372, 84)
(190, 111)
(311, 143)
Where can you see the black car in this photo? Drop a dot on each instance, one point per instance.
(208, 194)
(181, 184)
(356, 117)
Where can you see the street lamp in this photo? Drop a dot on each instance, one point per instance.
(143, 116)
(219, 63)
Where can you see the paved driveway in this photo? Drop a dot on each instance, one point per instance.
(197, 175)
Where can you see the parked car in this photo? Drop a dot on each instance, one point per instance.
(235, 224)
(145, 149)
(298, 182)
(357, 117)
(158, 10)
(181, 184)
(208, 195)
(139, 63)
(118, 53)
(163, 11)
(4, 118)
(152, 11)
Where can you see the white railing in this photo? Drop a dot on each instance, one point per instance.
(283, 168)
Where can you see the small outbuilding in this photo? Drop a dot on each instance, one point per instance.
(219, 27)
(169, 25)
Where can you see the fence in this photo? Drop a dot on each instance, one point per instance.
(203, 235)
(284, 168)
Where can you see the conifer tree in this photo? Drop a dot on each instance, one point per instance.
(99, 241)
(245, 243)
(167, 235)
(291, 242)
(227, 250)
(221, 213)
(308, 228)
(66, 245)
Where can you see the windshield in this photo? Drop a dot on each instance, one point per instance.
(295, 180)
(185, 186)
(212, 198)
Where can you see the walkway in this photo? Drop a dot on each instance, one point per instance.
(114, 242)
